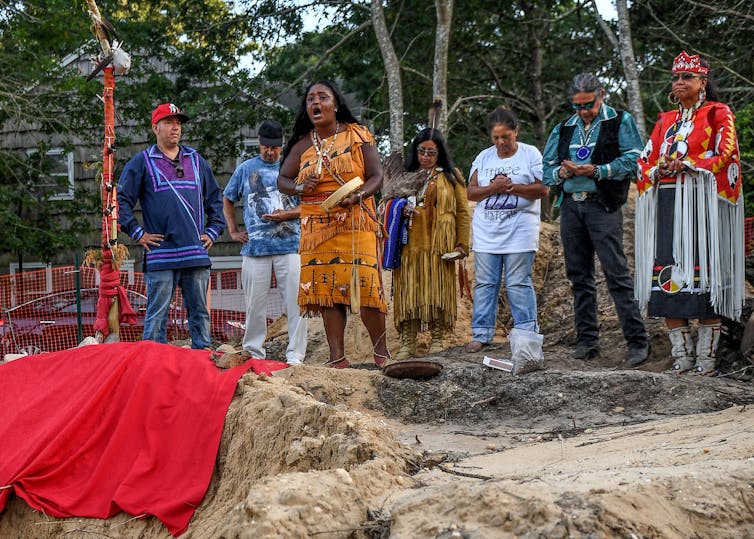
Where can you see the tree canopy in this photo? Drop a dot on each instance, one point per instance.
(519, 53)
(233, 63)
(199, 41)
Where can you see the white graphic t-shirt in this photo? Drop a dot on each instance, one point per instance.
(506, 223)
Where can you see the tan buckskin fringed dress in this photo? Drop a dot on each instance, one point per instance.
(334, 243)
(424, 284)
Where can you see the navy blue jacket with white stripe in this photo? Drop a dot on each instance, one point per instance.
(180, 200)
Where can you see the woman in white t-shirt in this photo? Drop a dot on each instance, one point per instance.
(505, 182)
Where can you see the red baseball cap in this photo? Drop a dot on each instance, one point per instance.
(166, 110)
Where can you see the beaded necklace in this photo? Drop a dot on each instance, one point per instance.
(678, 148)
(689, 113)
(323, 154)
(431, 175)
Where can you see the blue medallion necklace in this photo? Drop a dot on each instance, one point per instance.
(584, 151)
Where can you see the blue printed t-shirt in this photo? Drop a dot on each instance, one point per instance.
(255, 182)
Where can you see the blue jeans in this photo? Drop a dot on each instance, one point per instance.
(488, 268)
(586, 229)
(161, 285)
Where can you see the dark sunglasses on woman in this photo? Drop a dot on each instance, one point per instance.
(685, 76)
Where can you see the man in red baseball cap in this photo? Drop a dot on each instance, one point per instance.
(168, 110)
(182, 212)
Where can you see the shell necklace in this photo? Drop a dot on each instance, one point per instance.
(323, 154)
(686, 115)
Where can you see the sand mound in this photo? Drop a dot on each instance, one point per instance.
(288, 465)
(578, 450)
(552, 454)
(301, 466)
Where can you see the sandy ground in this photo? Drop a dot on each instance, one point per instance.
(576, 450)
(314, 452)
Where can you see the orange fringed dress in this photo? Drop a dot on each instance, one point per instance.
(340, 247)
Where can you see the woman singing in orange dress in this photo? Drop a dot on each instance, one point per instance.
(339, 256)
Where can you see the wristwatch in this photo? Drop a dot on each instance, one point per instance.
(299, 188)
(595, 175)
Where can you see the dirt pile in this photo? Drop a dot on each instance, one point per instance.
(300, 466)
(564, 402)
(288, 465)
(581, 449)
(312, 452)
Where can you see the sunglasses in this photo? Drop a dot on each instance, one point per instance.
(177, 166)
(685, 76)
(425, 151)
(583, 106)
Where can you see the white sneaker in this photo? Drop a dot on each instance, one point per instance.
(294, 362)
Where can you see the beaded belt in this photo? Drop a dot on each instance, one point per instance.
(670, 181)
(315, 199)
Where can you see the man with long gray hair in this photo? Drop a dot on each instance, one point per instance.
(591, 157)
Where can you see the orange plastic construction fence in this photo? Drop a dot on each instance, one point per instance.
(44, 311)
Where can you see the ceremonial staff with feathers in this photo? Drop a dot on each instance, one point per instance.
(112, 306)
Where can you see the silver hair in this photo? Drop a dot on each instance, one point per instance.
(585, 83)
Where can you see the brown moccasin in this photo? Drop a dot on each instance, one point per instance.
(474, 346)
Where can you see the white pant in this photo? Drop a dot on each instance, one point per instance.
(256, 273)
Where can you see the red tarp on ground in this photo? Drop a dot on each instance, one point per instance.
(131, 427)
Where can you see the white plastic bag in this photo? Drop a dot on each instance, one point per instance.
(526, 348)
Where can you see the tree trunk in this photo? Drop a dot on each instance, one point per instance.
(625, 46)
(629, 67)
(393, 73)
(536, 61)
(444, 10)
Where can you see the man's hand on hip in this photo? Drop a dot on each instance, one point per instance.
(150, 240)
(206, 241)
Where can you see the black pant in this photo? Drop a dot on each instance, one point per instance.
(587, 228)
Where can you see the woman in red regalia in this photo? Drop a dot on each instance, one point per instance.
(689, 217)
